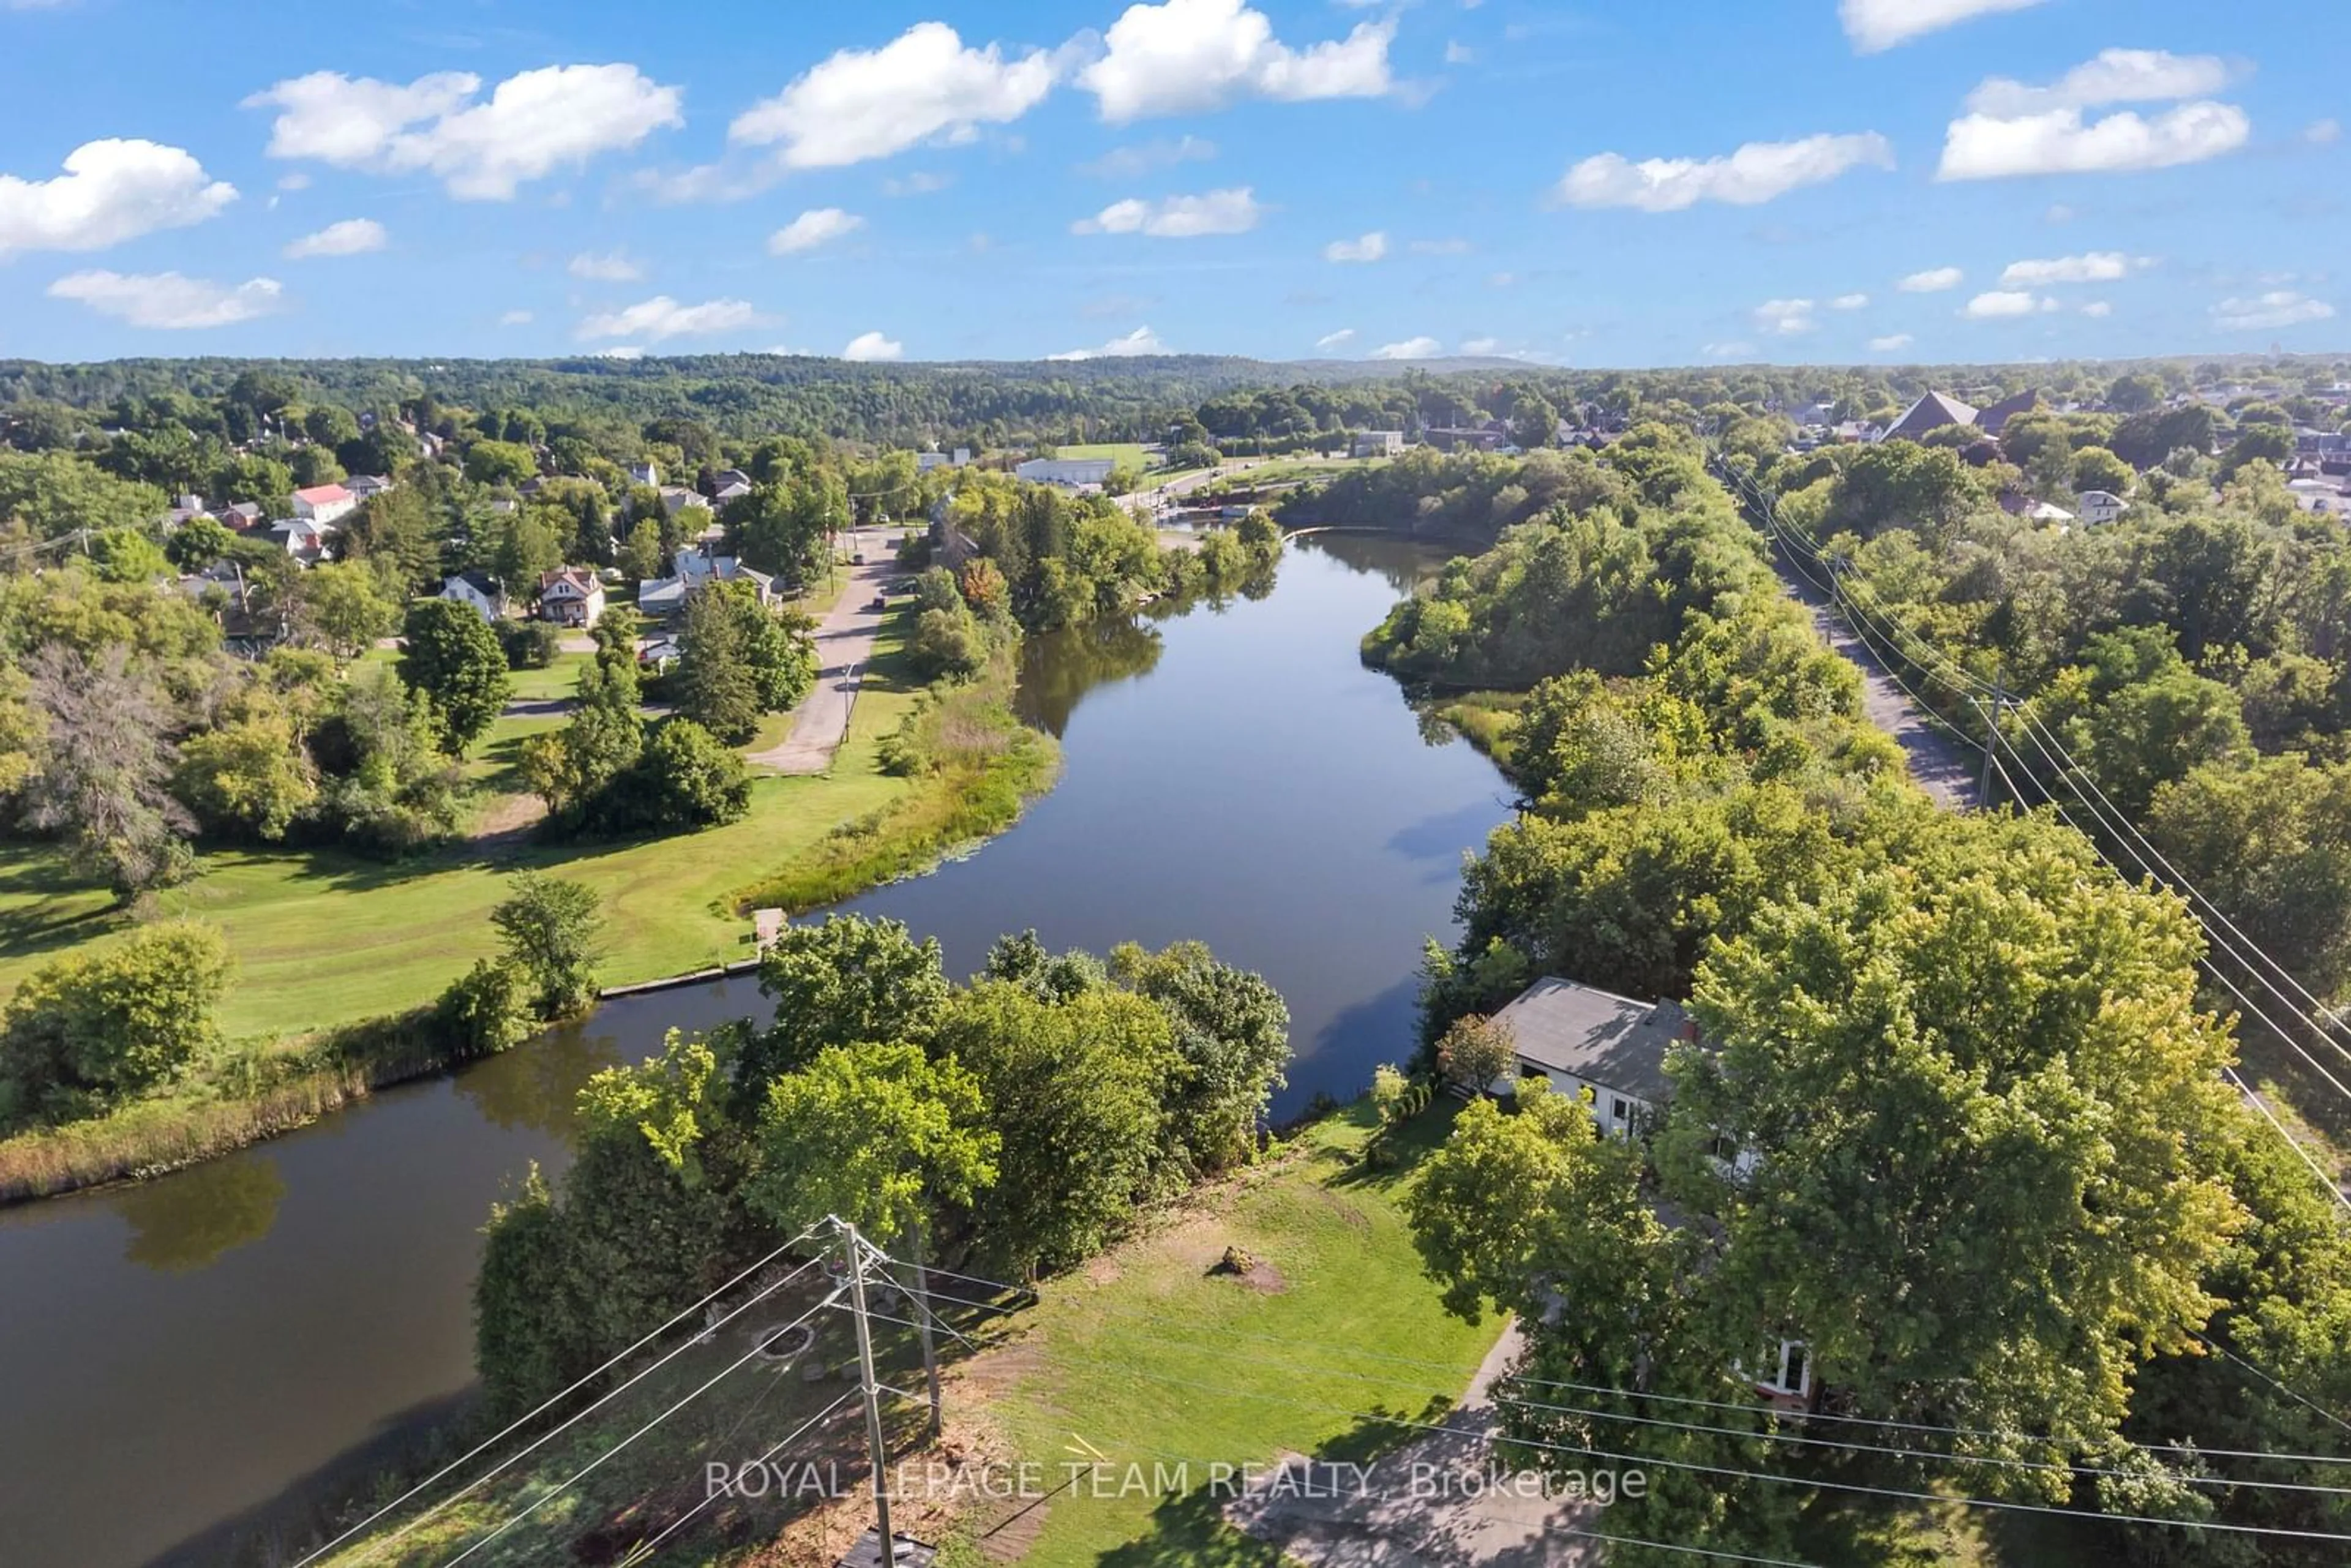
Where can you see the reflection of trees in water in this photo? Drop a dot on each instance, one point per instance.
(185, 1221)
(1404, 562)
(536, 1084)
(1058, 668)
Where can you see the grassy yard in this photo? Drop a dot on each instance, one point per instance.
(323, 937)
(1150, 1356)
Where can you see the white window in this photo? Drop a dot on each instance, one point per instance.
(1793, 1370)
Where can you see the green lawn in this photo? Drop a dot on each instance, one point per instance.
(1125, 454)
(1148, 1356)
(559, 679)
(324, 937)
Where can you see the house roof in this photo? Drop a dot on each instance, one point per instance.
(317, 494)
(481, 582)
(1931, 411)
(1993, 420)
(1595, 1035)
(578, 578)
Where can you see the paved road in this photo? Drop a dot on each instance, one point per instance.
(1433, 1503)
(844, 645)
(1943, 767)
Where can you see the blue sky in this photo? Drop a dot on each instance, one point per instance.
(1841, 181)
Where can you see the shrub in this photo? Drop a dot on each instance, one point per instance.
(529, 645)
(1475, 1052)
(489, 1009)
(92, 1027)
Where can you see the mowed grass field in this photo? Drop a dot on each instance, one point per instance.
(324, 937)
(1125, 454)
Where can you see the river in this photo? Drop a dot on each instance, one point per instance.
(185, 1363)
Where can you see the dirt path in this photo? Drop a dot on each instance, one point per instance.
(844, 645)
(1940, 765)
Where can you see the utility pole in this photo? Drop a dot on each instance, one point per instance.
(1992, 738)
(871, 1388)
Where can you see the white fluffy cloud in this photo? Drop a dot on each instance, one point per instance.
(531, 124)
(924, 84)
(1340, 338)
(1850, 302)
(661, 317)
(1875, 24)
(2115, 76)
(1785, 318)
(2002, 304)
(1141, 341)
(2323, 132)
(1421, 347)
(1934, 280)
(1986, 147)
(1190, 54)
(167, 300)
(1758, 172)
(1228, 212)
(2266, 312)
(352, 236)
(111, 191)
(870, 346)
(2097, 307)
(817, 227)
(1371, 247)
(515, 319)
(1890, 343)
(612, 266)
(1732, 350)
(2098, 267)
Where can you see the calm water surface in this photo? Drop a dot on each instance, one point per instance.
(182, 1362)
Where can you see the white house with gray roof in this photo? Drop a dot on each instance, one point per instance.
(1587, 1040)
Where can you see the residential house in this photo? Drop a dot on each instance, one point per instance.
(665, 597)
(308, 540)
(1587, 1040)
(725, 476)
(2099, 507)
(243, 515)
(323, 503)
(1377, 442)
(1993, 420)
(367, 486)
(1072, 472)
(644, 473)
(570, 596)
(926, 460)
(478, 591)
(1931, 413)
(676, 498)
(727, 490)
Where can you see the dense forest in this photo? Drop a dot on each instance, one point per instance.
(1954, 1118)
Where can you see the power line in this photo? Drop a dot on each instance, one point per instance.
(1882, 1423)
(551, 1402)
(568, 1481)
(2046, 1467)
(682, 1521)
(1851, 1487)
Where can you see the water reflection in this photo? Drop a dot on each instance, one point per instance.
(187, 1220)
(1060, 668)
(1407, 564)
(536, 1087)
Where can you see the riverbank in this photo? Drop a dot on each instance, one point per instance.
(340, 958)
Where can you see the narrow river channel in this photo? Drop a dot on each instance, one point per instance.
(185, 1363)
